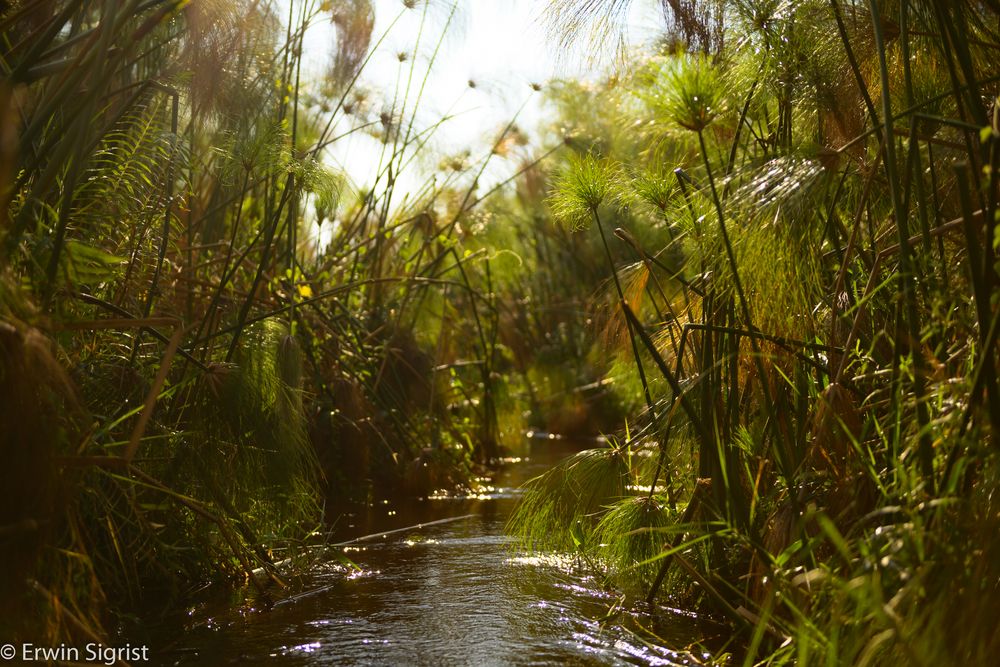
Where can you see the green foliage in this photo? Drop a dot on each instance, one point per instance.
(261, 401)
(585, 184)
(654, 188)
(85, 265)
(688, 91)
(819, 314)
(630, 535)
(231, 338)
(560, 508)
(779, 254)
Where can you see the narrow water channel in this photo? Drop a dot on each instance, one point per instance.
(452, 593)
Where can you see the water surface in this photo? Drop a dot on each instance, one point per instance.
(452, 593)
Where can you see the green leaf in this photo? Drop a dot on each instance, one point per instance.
(576, 533)
(342, 558)
(835, 537)
(87, 265)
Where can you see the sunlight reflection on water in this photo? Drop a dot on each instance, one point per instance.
(449, 593)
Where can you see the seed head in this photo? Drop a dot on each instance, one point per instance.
(690, 93)
(585, 184)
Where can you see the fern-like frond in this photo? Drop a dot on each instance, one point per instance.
(561, 506)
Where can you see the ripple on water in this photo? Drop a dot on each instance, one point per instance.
(448, 594)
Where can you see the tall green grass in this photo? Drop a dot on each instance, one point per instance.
(820, 349)
(189, 375)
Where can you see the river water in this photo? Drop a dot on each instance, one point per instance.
(451, 593)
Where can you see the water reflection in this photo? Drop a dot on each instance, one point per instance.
(449, 594)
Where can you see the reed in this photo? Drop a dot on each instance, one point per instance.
(205, 375)
(806, 385)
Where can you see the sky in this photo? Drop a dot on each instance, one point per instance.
(500, 45)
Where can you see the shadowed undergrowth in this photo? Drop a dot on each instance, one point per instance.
(798, 230)
(773, 243)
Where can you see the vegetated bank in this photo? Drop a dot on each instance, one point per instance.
(789, 252)
(187, 374)
(797, 213)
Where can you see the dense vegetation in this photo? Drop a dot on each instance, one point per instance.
(188, 375)
(814, 331)
(767, 252)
